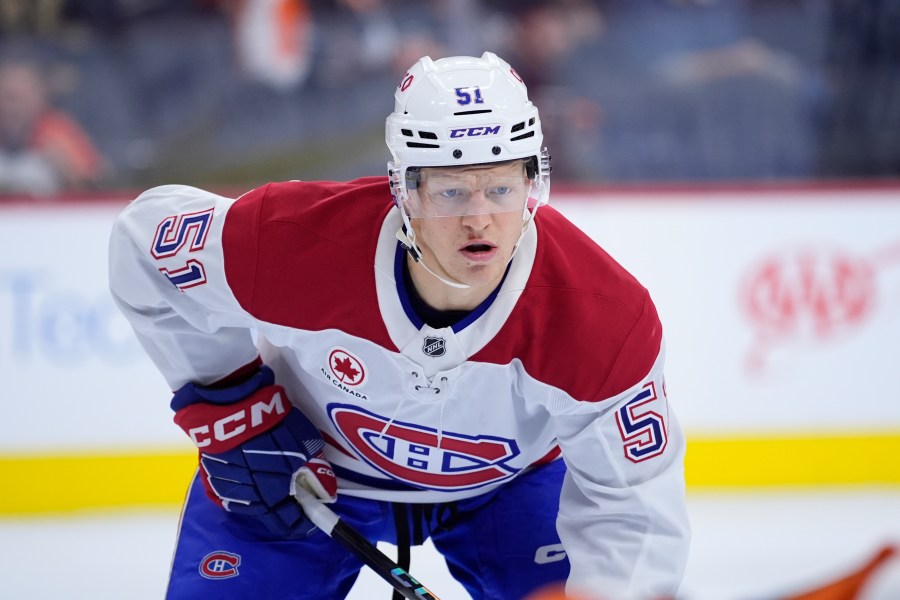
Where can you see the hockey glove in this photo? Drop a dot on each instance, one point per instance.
(253, 443)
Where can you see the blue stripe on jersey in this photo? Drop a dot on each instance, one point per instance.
(399, 257)
(406, 302)
(481, 308)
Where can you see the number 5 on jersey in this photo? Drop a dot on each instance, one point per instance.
(180, 234)
(643, 431)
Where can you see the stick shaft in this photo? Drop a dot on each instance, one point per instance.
(376, 560)
(325, 519)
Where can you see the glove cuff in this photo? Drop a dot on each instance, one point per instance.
(218, 428)
(193, 393)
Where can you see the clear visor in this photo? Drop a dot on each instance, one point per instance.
(438, 194)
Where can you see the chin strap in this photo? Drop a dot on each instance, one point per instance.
(409, 243)
(407, 237)
(529, 214)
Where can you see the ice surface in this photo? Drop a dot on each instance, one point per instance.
(746, 546)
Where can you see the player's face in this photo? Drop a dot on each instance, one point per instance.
(474, 219)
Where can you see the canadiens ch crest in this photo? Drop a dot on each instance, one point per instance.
(420, 456)
(434, 346)
(220, 565)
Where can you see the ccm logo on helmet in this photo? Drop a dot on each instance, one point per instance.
(475, 131)
(220, 428)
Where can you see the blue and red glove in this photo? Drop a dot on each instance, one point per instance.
(253, 445)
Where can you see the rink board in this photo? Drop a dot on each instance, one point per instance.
(781, 309)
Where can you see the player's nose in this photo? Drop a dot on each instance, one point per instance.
(477, 218)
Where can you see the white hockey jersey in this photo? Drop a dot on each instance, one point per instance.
(564, 359)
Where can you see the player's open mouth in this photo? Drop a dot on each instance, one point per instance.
(479, 251)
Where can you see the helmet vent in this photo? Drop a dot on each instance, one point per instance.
(517, 127)
(531, 121)
(407, 132)
(428, 135)
(472, 112)
(421, 145)
(523, 136)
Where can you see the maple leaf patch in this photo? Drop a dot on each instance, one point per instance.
(346, 368)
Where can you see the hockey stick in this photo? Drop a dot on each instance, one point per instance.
(325, 519)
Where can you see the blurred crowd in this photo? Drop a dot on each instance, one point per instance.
(112, 94)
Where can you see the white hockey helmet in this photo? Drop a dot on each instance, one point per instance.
(461, 111)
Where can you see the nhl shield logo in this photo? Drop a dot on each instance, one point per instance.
(434, 346)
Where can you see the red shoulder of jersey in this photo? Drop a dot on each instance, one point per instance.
(583, 323)
(295, 251)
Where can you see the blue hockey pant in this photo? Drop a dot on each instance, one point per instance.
(501, 545)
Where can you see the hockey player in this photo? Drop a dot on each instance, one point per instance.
(435, 351)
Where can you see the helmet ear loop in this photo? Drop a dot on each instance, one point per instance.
(406, 234)
(527, 217)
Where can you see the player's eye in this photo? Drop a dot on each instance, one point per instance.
(453, 194)
(450, 193)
